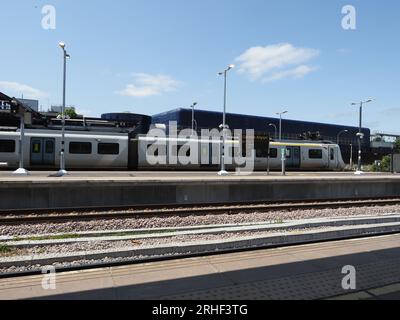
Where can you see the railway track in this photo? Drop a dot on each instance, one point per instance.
(13, 217)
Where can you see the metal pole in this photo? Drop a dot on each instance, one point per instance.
(192, 118)
(351, 157)
(63, 115)
(268, 155)
(223, 126)
(223, 171)
(21, 147)
(275, 130)
(21, 170)
(62, 171)
(280, 127)
(359, 140)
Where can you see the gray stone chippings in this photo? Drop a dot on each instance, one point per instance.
(190, 220)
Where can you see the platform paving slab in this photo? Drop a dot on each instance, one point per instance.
(205, 278)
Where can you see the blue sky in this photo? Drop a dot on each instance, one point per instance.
(149, 56)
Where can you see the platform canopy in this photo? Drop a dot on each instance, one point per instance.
(11, 107)
(5, 98)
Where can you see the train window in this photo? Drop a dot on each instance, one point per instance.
(108, 148)
(80, 148)
(288, 153)
(36, 147)
(49, 146)
(332, 154)
(315, 154)
(261, 149)
(273, 153)
(7, 146)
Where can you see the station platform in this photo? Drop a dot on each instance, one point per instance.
(304, 272)
(48, 176)
(40, 190)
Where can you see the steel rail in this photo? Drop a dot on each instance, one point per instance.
(13, 217)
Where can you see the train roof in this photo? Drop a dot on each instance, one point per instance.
(77, 134)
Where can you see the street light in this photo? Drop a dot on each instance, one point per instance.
(341, 132)
(193, 121)
(276, 129)
(360, 135)
(223, 172)
(62, 172)
(21, 170)
(280, 123)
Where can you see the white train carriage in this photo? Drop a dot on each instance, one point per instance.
(303, 156)
(116, 151)
(299, 155)
(179, 153)
(83, 150)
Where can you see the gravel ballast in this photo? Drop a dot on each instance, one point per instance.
(166, 221)
(192, 220)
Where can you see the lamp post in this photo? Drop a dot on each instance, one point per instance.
(269, 149)
(193, 121)
(283, 151)
(21, 170)
(276, 129)
(62, 172)
(340, 133)
(280, 114)
(351, 157)
(223, 172)
(360, 135)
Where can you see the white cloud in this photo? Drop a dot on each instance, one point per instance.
(17, 89)
(344, 51)
(147, 85)
(276, 62)
(295, 73)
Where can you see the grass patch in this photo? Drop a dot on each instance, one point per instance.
(4, 248)
(55, 237)
(99, 235)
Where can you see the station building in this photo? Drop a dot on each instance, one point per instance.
(291, 129)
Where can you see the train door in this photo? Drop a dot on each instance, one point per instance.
(293, 157)
(42, 151)
(333, 158)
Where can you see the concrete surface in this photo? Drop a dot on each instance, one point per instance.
(300, 272)
(100, 189)
(36, 176)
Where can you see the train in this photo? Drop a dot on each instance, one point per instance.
(121, 151)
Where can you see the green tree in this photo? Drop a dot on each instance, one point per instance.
(70, 113)
(382, 166)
